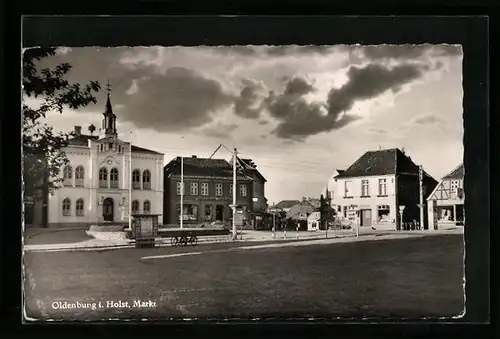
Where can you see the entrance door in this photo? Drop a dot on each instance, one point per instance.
(366, 217)
(219, 212)
(108, 209)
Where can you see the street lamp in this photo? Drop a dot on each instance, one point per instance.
(401, 210)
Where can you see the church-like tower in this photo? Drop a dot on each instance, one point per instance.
(108, 125)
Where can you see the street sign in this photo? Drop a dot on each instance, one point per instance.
(238, 219)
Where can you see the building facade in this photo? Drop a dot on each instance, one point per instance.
(446, 202)
(372, 190)
(208, 191)
(97, 181)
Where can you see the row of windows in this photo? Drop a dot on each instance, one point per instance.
(146, 206)
(205, 191)
(110, 147)
(66, 207)
(365, 188)
(113, 176)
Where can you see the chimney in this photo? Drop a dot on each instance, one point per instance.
(194, 156)
(78, 130)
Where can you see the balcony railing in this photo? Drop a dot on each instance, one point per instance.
(68, 182)
(136, 185)
(103, 184)
(146, 185)
(79, 182)
(114, 184)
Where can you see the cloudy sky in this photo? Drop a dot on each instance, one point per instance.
(298, 112)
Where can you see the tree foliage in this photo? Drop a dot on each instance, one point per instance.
(43, 149)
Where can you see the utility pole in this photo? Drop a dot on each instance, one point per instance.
(235, 152)
(182, 191)
(233, 206)
(421, 195)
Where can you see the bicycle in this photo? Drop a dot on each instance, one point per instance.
(184, 240)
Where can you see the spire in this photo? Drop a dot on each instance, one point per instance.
(109, 118)
(109, 108)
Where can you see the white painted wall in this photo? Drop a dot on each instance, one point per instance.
(92, 160)
(367, 202)
(313, 221)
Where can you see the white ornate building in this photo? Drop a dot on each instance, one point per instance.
(99, 175)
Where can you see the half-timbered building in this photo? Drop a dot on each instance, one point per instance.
(446, 202)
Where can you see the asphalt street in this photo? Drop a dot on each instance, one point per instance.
(413, 278)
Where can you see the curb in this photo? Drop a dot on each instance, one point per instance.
(165, 243)
(50, 230)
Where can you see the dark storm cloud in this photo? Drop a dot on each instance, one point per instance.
(299, 119)
(298, 86)
(220, 130)
(245, 104)
(369, 82)
(179, 98)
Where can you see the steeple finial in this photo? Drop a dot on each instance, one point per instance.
(108, 88)
(109, 108)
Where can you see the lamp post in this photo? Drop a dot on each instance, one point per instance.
(401, 210)
(182, 193)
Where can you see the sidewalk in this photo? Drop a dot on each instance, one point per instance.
(117, 242)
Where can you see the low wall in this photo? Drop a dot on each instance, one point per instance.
(56, 225)
(446, 225)
(107, 228)
(385, 226)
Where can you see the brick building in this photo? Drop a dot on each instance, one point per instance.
(208, 189)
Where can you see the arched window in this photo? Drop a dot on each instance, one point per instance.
(146, 207)
(79, 207)
(79, 176)
(103, 178)
(113, 176)
(146, 180)
(68, 175)
(136, 179)
(135, 206)
(66, 207)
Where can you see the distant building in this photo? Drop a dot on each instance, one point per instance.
(446, 202)
(331, 187)
(99, 175)
(313, 221)
(208, 194)
(373, 188)
(283, 206)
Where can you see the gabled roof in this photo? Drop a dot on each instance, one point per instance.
(381, 162)
(143, 150)
(457, 173)
(195, 166)
(82, 140)
(286, 204)
(248, 167)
